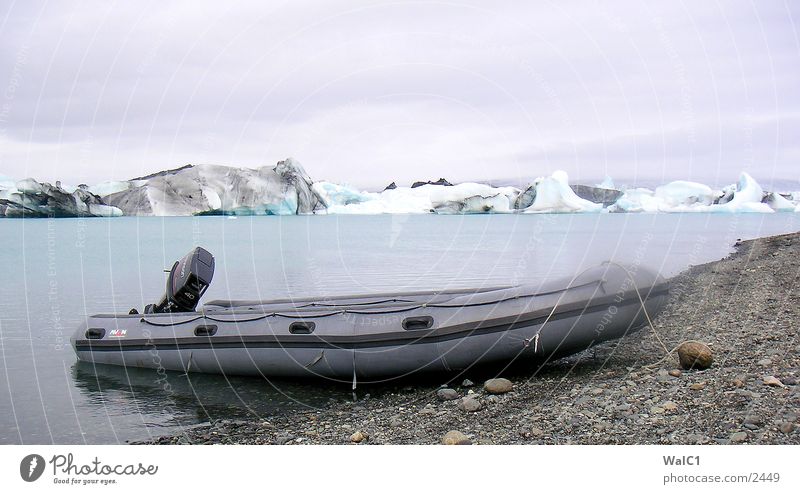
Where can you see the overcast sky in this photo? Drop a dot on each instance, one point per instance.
(370, 92)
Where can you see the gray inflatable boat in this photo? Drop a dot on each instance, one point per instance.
(372, 336)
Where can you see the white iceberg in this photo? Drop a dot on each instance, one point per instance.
(554, 195)
(778, 203)
(112, 187)
(463, 198)
(682, 193)
(333, 194)
(607, 183)
(638, 200)
(746, 198)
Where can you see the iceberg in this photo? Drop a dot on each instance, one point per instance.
(778, 203)
(554, 195)
(607, 183)
(31, 199)
(214, 189)
(464, 198)
(744, 197)
(681, 193)
(340, 195)
(636, 200)
(286, 189)
(107, 188)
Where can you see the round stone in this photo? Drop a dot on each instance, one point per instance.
(469, 404)
(447, 394)
(695, 355)
(359, 436)
(455, 438)
(497, 386)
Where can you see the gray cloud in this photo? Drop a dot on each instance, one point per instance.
(370, 92)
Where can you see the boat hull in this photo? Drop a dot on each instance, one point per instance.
(374, 337)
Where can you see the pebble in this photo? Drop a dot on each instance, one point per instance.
(697, 386)
(395, 422)
(537, 432)
(467, 383)
(447, 394)
(284, 439)
(787, 427)
(469, 404)
(738, 437)
(753, 420)
(455, 437)
(428, 410)
(789, 381)
(772, 381)
(359, 436)
(656, 410)
(738, 383)
(670, 406)
(765, 362)
(497, 386)
(695, 355)
(675, 373)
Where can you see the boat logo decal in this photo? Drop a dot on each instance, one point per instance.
(118, 333)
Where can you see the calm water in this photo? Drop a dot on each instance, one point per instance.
(55, 271)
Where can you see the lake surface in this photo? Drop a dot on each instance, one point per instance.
(56, 271)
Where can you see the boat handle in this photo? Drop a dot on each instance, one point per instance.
(414, 323)
(205, 330)
(302, 327)
(95, 333)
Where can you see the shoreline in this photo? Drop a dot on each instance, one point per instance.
(745, 306)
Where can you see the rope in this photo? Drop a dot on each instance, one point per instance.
(644, 309)
(535, 338)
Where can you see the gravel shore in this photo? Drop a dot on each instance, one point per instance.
(745, 307)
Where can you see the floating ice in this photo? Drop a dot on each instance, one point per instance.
(107, 188)
(683, 193)
(287, 189)
(554, 195)
(31, 199)
(778, 203)
(213, 189)
(746, 198)
(636, 201)
(607, 183)
(463, 198)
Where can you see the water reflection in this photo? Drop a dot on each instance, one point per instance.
(194, 398)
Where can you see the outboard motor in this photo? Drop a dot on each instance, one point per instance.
(187, 281)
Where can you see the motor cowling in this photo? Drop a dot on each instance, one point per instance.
(188, 280)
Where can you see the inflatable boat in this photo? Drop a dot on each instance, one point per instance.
(366, 337)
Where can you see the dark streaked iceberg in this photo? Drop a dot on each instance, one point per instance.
(214, 189)
(31, 199)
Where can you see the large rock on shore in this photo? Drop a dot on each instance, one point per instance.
(695, 355)
(470, 403)
(497, 386)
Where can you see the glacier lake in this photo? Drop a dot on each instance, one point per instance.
(56, 271)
